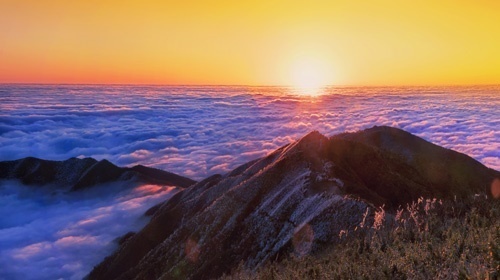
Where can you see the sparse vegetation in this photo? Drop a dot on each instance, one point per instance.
(427, 239)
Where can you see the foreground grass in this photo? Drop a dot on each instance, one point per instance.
(428, 239)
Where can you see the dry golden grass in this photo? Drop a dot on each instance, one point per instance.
(428, 239)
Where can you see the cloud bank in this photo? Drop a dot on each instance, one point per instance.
(192, 131)
(46, 235)
(199, 131)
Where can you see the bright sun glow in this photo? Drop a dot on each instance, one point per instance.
(310, 76)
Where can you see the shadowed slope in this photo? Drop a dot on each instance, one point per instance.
(427, 169)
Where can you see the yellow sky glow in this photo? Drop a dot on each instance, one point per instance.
(284, 42)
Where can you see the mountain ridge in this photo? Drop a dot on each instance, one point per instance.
(293, 201)
(84, 173)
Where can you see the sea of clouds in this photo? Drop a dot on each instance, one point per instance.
(195, 132)
(199, 131)
(46, 235)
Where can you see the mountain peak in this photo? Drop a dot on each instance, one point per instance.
(315, 185)
(313, 136)
(311, 145)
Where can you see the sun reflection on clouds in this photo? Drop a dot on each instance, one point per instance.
(76, 241)
(188, 130)
(30, 251)
(308, 92)
(151, 189)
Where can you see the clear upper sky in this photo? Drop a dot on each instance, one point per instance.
(283, 42)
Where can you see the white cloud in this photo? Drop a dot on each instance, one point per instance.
(181, 129)
(194, 132)
(51, 236)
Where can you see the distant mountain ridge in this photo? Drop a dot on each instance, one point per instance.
(84, 173)
(293, 201)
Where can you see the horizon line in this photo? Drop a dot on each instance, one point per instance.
(241, 85)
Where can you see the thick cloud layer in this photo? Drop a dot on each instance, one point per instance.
(46, 235)
(198, 131)
(192, 131)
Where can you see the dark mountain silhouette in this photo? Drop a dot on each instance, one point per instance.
(84, 173)
(293, 201)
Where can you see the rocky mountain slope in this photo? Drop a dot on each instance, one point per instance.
(293, 201)
(83, 173)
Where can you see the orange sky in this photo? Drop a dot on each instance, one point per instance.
(372, 42)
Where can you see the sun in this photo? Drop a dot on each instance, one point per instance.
(310, 76)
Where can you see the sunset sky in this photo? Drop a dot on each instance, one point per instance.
(384, 42)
